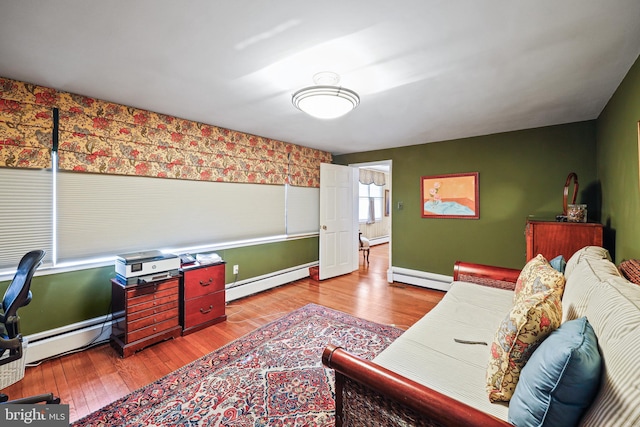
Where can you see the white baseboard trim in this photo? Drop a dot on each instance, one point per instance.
(262, 283)
(379, 240)
(420, 278)
(76, 336)
(55, 342)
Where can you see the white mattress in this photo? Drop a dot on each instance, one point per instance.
(428, 354)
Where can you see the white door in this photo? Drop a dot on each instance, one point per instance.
(338, 238)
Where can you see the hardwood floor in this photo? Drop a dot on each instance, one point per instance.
(90, 379)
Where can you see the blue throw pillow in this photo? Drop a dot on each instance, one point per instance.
(560, 380)
(558, 263)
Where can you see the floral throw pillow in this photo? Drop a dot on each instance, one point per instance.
(522, 330)
(537, 276)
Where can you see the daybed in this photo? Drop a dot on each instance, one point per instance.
(426, 378)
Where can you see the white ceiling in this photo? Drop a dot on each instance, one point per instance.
(425, 70)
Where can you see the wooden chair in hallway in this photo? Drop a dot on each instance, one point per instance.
(365, 247)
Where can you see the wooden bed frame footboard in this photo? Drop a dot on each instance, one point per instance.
(368, 394)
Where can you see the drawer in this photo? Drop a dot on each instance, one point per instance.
(153, 309)
(202, 281)
(203, 309)
(141, 290)
(143, 322)
(151, 330)
(148, 301)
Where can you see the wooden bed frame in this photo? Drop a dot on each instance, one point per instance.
(368, 394)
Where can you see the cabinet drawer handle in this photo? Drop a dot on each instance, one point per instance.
(203, 311)
(207, 283)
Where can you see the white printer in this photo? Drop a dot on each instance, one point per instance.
(145, 267)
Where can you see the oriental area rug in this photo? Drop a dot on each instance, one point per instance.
(272, 376)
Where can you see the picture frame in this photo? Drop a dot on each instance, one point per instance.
(450, 196)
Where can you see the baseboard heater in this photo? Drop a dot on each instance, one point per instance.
(257, 284)
(379, 240)
(420, 278)
(55, 342)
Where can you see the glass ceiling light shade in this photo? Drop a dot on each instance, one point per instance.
(325, 100)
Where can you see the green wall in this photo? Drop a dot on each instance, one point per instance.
(66, 298)
(257, 260)
(617, 149)
(521, 174)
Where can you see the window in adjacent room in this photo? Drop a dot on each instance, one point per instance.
(371, 200)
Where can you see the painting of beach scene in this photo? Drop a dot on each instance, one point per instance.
(450, 196)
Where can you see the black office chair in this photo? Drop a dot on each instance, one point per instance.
(17, 295)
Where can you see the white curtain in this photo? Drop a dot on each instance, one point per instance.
(371, 217)
(368, 176)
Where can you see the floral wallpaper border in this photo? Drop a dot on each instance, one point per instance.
(102, 137)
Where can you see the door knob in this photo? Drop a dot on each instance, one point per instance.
(324, 227)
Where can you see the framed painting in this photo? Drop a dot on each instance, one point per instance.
(450, 196)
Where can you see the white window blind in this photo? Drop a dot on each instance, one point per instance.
(25, 215)
(106, 215)
(303, 210)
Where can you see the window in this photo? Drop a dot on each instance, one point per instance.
(83, 218)
(370, 205)
(101, 215)
(26, 214)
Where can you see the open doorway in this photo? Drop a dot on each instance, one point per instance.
(374, 206)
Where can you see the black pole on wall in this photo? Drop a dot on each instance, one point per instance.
(54, 136)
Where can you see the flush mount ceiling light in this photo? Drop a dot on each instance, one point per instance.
(325, 100)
